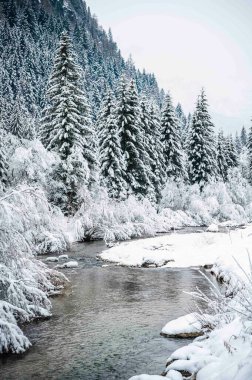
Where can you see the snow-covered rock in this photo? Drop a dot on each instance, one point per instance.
(187, 326)
(63, 257)
(213, 228)
(69, 264)
(52, 259)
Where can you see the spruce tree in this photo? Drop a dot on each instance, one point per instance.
(3, 162)
(238, 144)
(222, 165)
(201, 145)
(107, 109)
(170, 137)
(244, 136)
(158, 164)
(231, 152)
(249, 145)
(112, 166)
(66, 124)
(131, 138)
(67, 177)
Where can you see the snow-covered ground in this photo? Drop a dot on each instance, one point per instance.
(186, 250)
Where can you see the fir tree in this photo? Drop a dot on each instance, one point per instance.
(3, 162)
(67, 123)
(244, 136)
(249, 145)
(238, 144)
(158, 164)
(68, 176)
(131, 138)
(20, 123)
(222, 164)
(107, 109)
(111, 161)
(201, 145)
(231, 153)
(173, 156)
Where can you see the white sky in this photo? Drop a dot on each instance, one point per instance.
(189, 44)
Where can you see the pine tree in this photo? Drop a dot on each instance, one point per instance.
(231, 153)
(111, 161)
(158, 149)
(131, 138)
(20, 123)
(181, 117)
(222, 164)
(66, 124)
(238, 144)
(244, 136)
(173, 155)
(249, 145)
(3, 162)
(107, 109)
(201, 145)
(67, 177)
(150, 157)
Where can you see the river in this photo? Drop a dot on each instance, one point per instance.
(107, 324)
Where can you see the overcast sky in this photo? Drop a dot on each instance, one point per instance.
(189, 44)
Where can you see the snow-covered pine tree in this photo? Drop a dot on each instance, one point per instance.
(231, 153)
(67, 124)
(173, 155)
(150, 157)
(3, 162)
(158, 149)
(222, 165)
(201, 145)
(112, 166)
(67, 177)
(181, 118)
(249, 146)
(244, 136)
(107, 109)
(20, 123)
(238, 144)
(131, 138)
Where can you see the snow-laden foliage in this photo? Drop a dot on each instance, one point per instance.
(102, 218)
(31, 163)
(201, 145)
(25, 282)
(217, 202)
(171, 139)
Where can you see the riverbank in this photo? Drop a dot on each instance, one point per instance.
(176, 250)
(223, 352)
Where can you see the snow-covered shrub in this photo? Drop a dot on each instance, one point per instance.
(31, 163)
(100, 217)
(25, 282)
(217, 202)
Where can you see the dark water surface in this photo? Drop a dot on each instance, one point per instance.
(107, 324)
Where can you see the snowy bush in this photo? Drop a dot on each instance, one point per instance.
(31, 163)
(217, 202)
(102, 218)
(25, 282)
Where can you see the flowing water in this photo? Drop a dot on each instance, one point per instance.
(107, 325)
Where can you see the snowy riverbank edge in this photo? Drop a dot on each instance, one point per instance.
(223, 353)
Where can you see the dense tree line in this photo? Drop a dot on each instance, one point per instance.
(109, 124)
